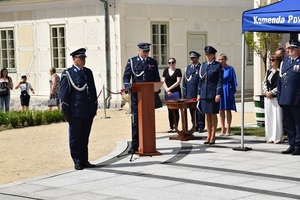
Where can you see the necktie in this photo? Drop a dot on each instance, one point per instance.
(292, 60)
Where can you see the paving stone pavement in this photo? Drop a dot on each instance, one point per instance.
(185, 170)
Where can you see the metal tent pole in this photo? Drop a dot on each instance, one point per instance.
(242, 147)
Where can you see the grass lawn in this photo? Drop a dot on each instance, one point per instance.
(256, 131)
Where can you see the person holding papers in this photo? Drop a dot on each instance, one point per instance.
(172, 77)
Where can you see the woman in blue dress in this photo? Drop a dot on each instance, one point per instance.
(227, 101)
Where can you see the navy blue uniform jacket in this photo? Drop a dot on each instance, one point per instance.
(288, 87)
(78, 103)
(211, 83)
(190, 81)
(141, 72)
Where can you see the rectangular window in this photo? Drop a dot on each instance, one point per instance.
(7, 54)
(160, 42)
(249, 56)
(58, 46)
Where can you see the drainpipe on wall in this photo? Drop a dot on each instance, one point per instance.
(107, 51)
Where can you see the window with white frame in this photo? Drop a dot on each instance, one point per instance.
(58, 46)
(160, 42)
(249, 56)
(7, 54)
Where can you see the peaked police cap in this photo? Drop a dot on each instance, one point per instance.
(194, 54)
(210, 50)
(144, 46)
(78, 53)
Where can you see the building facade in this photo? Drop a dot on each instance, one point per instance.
(38, 34)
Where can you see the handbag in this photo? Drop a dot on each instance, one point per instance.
(52, 102)
(24, 93)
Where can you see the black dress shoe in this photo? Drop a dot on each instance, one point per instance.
(201, 130)
(288, 151)
(296, 152)
(206, 142)
(79, 166)
(87, 164)
(210, 143)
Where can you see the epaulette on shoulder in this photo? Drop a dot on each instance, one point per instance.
(67, 69)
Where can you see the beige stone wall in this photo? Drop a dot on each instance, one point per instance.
(6, 17)
(129, 25)
(25, 36)
(222, 26)
(24, 15)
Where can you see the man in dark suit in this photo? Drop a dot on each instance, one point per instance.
(288, 95)
(140, 68)
(190, 88)
(79, 106)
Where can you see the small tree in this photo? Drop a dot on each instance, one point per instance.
(266, 44)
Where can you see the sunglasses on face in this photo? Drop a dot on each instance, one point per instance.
(272, 60)
(171, 62)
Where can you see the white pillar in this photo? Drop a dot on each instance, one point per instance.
(259, 71)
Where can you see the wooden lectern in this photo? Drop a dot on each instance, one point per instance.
(146, 117)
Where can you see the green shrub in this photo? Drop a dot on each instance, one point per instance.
(13, 119)
(38, 117)
(57, 115)
(29, 118)
(3, 119)
(22, 118)
(49, 116)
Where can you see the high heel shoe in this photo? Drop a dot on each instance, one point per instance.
(170, 131)
(206, 142)
(210, 143)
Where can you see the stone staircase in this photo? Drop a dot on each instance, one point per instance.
(248, 96)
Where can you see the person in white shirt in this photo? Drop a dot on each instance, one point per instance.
(24, 88)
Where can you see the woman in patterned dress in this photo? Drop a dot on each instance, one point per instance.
(54, 86)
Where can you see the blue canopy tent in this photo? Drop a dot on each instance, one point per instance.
(282, 17)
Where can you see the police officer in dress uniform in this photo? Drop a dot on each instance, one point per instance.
(288, 95)
(210, 89)
(140, 68)
(190, 88)
(79, 106)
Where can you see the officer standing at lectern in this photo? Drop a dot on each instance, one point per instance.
(190, 88)
(79, 106)
(140, 68)
(288, 96)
